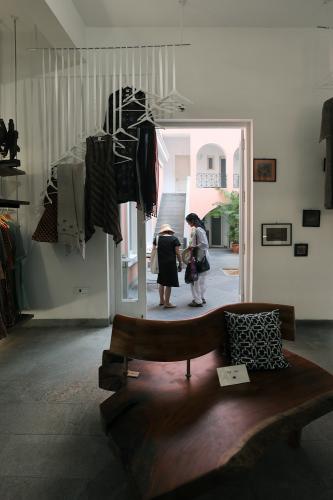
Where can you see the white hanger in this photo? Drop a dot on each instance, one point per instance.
(166, 107)
(116, 142)
(67, 154)
(174, 96)
(133, 96)
(147, 94)
(120, 129)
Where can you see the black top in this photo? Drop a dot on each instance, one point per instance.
(167, 262)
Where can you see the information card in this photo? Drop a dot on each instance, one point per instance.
(230, 375)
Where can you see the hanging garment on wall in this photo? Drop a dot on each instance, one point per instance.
(326, 132)
(70, 217)
(19, 255)
(101, 207)
(46, 230)
(11, 256)
(136, 178)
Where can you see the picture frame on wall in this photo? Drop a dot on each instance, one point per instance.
(301, 249)
(264, 170)
(311, 218)
(277, 234)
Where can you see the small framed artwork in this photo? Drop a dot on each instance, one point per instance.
(273, 235)
(264, 170)
(311, 218)
(301, 249)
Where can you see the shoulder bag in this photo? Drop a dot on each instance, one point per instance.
(154, 259)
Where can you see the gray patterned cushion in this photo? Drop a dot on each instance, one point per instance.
(255, 340)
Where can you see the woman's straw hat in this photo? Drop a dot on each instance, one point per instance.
(186, 255)
(166, 228)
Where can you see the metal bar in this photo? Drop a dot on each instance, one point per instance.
(15, 97)
(115, 47)
(188, 369)
(15, 69)
(125, 365)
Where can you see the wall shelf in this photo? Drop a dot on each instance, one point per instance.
(12, 203)
(22, 319)
(7, 171)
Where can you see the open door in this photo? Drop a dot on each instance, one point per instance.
(245, 215)
(242, 238)
(130, 264)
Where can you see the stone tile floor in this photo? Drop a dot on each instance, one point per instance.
(221, 289)
(51, 442)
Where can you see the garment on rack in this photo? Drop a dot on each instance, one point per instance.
(3, 138)
(19, 255)
(70, 217)
(11, 256)
(46, 230)
(8, 139)
(326, 132)
(101, 207)
(147, 170)
(137, 178)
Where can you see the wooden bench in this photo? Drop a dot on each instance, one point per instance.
(177, 435)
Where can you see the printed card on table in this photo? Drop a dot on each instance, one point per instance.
(230, 375)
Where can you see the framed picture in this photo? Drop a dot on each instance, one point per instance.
(301, 249)
(264, 170)
(273, 235)
(311, 218)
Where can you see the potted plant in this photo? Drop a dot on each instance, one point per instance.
(230, 210)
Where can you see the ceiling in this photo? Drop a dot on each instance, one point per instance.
(205, 13)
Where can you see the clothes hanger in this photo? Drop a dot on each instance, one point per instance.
(133, 97)
(166, 107)
(174, 96)
(120, 129)
(145, 91)
(116, 141)
(69, 153)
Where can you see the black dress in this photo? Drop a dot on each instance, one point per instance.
(166, 251)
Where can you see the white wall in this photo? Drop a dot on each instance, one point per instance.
(50, 275)
(175, 146)
(271, 76)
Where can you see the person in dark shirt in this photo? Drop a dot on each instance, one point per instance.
(168, 250)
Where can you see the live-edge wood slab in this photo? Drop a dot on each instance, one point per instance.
(176, 436)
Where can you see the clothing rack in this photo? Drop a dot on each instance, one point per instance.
(114, 47)
(76, 82)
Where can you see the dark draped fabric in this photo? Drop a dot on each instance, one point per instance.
(137, 178)
(101, 206)
(326, 132)
(47, 230)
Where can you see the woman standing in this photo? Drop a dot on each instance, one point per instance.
(199, 244)
(168, 248)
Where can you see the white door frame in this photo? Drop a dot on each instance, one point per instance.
(135, 307)
(245, 193)
(138, 307)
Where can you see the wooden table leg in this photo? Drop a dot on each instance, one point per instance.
(294, 439)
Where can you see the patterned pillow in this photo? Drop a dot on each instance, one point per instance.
(255, 340)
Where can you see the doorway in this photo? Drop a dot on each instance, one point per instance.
(215, 239)
(210, 169)
(217, 157)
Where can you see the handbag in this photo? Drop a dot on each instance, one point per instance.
(154, 259)
(191, 272)
(203, 265)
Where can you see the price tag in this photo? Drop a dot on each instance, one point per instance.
(132, 374)
(230, 375)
